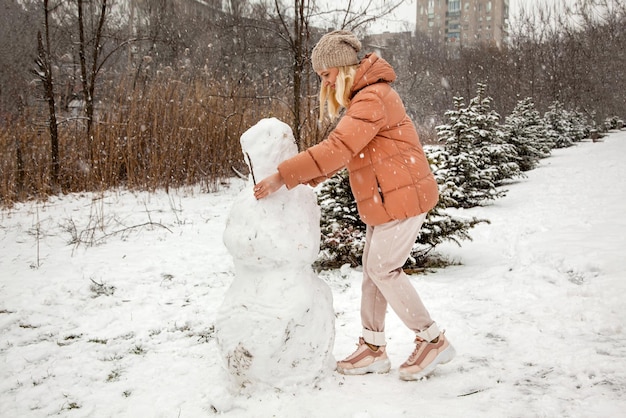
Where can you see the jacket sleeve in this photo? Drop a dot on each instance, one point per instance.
(364, 118)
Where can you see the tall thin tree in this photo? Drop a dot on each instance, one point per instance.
(44, 73)
(89, 73)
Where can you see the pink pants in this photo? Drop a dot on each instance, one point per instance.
(387, 247)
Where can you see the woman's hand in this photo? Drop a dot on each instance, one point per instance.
(268, 185)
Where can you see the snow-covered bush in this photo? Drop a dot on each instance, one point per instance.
(476, 158)
(459, 169)
(581, 127)
(491, 143)
(565, 127)
(525, 130)
(558, 126)
(440, 225)
(613, 122)
(343, 232)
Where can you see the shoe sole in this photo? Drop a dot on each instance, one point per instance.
(377, 367)
(444, 357)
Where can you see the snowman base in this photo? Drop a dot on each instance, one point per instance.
(277, 342)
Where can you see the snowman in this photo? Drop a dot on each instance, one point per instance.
(275, 328)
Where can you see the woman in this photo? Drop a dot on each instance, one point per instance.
(394, 189)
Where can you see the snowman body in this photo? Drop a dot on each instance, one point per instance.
(275, 327)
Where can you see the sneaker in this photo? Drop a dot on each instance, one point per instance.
(425, 357)
(365, 360)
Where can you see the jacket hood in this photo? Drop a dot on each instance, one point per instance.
(372, 69)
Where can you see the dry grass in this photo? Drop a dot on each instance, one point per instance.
(168, 134)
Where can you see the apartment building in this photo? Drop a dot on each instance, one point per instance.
(464, 22)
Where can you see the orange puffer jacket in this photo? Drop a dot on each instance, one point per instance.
(389, 174)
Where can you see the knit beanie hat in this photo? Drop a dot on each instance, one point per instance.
(335, 49)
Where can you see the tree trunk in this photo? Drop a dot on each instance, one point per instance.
(89, 75)
(45, 75)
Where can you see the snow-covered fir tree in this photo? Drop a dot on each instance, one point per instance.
(440, 225)
(612, 122)
(564, 127)
(525, 129)
(490, 142)
(580, 125)
(464, 168)
(343, 232)
(458, 167)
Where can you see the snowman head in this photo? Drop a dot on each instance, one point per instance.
(267, 144)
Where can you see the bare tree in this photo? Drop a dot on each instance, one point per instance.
(90, 65)
(44, 73)
(573, 54)
(597, 47)
(295, 33)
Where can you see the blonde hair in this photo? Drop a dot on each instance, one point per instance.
(341, 96)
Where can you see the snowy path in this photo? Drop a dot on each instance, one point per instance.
(535, 309)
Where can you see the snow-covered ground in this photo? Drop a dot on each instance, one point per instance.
(107, 305)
